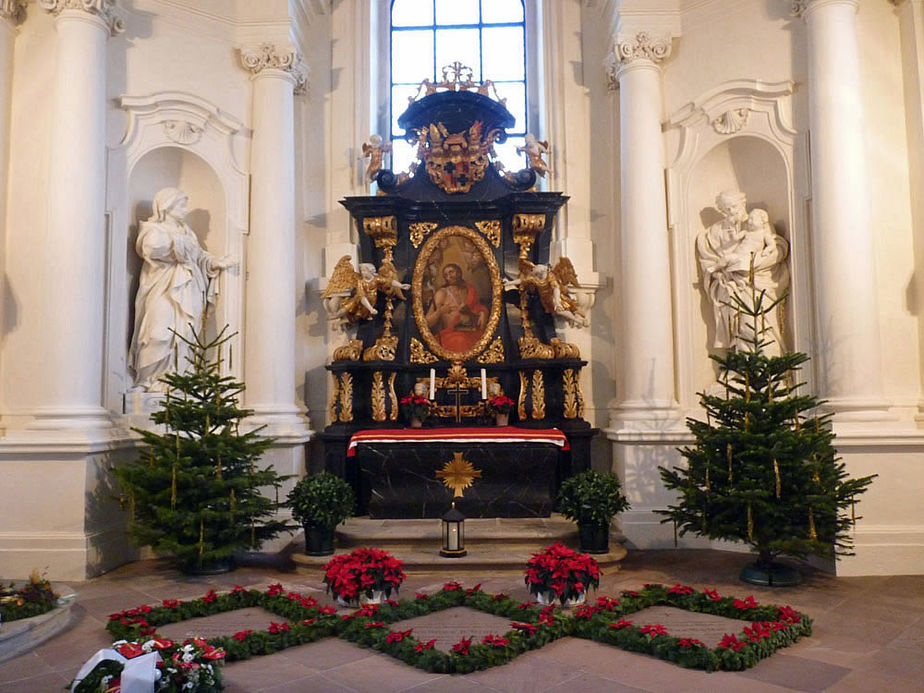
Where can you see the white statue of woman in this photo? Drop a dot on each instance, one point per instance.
(740, 250)
(177, 281)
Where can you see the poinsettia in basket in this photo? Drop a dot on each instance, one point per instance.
(193, 666)
(558, 572)
(363, 576)
(416, 409)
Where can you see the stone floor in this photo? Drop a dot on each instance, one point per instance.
(869, 633)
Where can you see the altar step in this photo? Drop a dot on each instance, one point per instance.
(495, 544)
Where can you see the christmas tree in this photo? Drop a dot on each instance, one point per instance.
(764, 470)
(195, 491)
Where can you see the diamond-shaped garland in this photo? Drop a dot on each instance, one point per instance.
(770, 627)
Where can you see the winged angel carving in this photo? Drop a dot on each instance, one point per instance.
(350, 296)
(551, 283)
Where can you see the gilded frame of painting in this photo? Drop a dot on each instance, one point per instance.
(459, 237)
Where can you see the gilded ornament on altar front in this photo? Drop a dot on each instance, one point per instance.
(494, 353)
(334, 399)
(458, 474)
(456, 293)
(538, 398)
(378, 397)
(346, 397)
(466, 411)
(564, 350)
(580, 395)
(352, 351)
(521, 400)
(570, 388)
(525, 229)
(382, 230)
(420, 230)
(393, 397)
(383, 350)
(532, 348)
(491, 229)
(419, 353)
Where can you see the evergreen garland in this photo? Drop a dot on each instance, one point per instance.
(764, 470)
(195, 491)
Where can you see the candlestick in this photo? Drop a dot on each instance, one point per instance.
(484, 384)
(432, 383)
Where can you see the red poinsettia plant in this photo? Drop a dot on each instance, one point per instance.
(499, 404)
(565, 573)
(352, 575)
(416, 407)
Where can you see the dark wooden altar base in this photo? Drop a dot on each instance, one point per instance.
(399, 480)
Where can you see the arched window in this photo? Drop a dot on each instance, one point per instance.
(488, 36)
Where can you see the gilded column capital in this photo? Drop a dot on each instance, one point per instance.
(13, 10)
(282, 57)
(640, 47)
(105, 10)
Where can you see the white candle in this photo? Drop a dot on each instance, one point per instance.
(484, 384)
(432, 383)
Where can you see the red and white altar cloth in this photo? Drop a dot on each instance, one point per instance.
(492, 434)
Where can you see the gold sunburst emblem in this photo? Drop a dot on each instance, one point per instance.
(458, 474)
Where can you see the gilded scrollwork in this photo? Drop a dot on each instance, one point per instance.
(346, 397)
(383, 350)
(521, 400)
(564, 350)
(332, 409)
(393, 398)
(352, 351)
(494, 353)
(419, 231)
(526, 227)
(455, 161)
(532, 348)
(580, 395)
(450, 316)
(419, 353)
(378, 397)
(382, 230)
(538, 395)
(570, 390)
(491, 229)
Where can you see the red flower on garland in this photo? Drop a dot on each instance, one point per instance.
(758, 631)
(397, 635)
(607, 604)
(275, 590)
(630, 593)
(530, 628)
(171, 603)
(586, 612)
(327, 610)
(161, 643)
(462, 646)
(368, 610)
(451, 586)
(421, 595)
(210, 597)
(471, 590)
(374, 624)
(213, 653)
(690, 642)
(278, 627)
(421, 646)
(547, 615)
(308, 621)
(526, 605)
(779, 625)
(495, 640)
(789, 615)
(308, 602)
(731, 642)
(680, 589)
(621, 623)
(500, 595)
(713, 595)
(654, 630)
(130, 650)
(747, 603)
(237, 588)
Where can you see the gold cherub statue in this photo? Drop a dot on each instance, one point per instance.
(551, 283)
(350, 296)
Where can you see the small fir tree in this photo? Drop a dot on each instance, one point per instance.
(195, 491)
(764, 470)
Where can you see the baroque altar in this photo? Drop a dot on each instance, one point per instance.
(454, 294)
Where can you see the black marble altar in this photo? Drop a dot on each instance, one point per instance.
(398, 480)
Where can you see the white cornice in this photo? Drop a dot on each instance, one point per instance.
(13, 10)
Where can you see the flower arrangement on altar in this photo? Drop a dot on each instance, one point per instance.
(416, 406)
(34, 598)
(357, 575)
(558, 572)
(193, 666)
(499, 404)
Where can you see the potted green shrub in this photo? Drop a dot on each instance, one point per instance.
(592, 499)
(320, 503)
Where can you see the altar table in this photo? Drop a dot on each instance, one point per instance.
(519, 470)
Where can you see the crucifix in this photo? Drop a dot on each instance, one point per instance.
(457, 383)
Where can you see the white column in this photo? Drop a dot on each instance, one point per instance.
(269, 331)
(848, 339)
(73, 271)
(645, 343)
